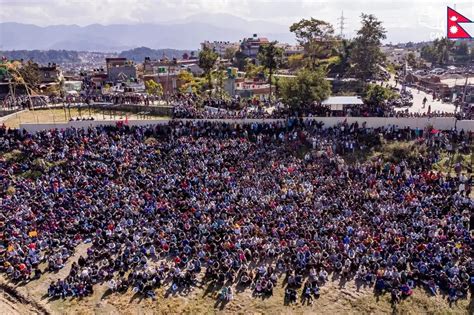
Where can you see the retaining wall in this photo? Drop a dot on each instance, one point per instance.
(441, 123)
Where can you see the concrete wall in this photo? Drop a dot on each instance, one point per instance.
(5, 115)
(136, 108)
(442, 123)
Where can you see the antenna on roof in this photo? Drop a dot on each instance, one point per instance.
(341, 24)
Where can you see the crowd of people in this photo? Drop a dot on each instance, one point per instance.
(234, 205)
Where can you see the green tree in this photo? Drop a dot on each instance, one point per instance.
(220, 76)
(444, 48)
(428, 53)
(308, 87)
(252, 71)
(230, 53)
(187, 82)
(295, 62)
(462, 49)
(366, 55)
(376, 95)
(270, 57)
(343, 52)
(29, 74)
(207, 60)
(240, 60)
(411, 59)
(153, 88)
(439, 51)
(317, 38)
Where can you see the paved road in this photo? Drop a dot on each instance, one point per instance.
(418, 97)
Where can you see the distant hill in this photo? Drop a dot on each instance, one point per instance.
(43, 56)
(139, 54)
(182, 34)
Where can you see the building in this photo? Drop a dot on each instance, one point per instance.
(163, 71)
(50, 74)
(220, 47)
(429, 83)
(120, 70)
(98, 78)
(396, 55)
(236, 84)
(290, 50)
(193, 68)
(251, 45)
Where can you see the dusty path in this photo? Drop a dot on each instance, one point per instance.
(335, 299)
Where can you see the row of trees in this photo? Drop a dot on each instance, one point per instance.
(440, 51)
(324, 52)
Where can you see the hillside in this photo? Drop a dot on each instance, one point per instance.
(183, 35)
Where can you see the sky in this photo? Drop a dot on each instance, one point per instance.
(402, 18)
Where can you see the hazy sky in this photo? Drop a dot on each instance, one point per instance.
(405, 14)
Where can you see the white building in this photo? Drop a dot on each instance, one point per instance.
(220, 47)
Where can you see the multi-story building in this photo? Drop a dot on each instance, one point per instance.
(50, 74)
(290, 50)
(220, 47)
(163, 71)
(250, 46)
(120, 69)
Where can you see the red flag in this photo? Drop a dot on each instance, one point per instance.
(434, 131)
(454, 29)
(126, 119)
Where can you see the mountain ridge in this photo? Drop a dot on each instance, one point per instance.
(183, 34)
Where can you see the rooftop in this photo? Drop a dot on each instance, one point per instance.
(343, 100)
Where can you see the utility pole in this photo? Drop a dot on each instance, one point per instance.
(341, 24)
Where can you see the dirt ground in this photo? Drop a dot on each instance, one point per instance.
(336, 298)
(56, 115)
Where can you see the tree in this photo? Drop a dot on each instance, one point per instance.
(462, 49)
(366, 56)
(295, 62)
(230, 53)
(252, 71)
(439, 51)
(190, 84)
(240, 60)
(29, 74)
(220, 75)
(376, 95)
(270, 57)
(411, 59)
(317, 38)
(52, 90)
(154, 88)
(207, 60)
(308, 87)
(343, 52)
